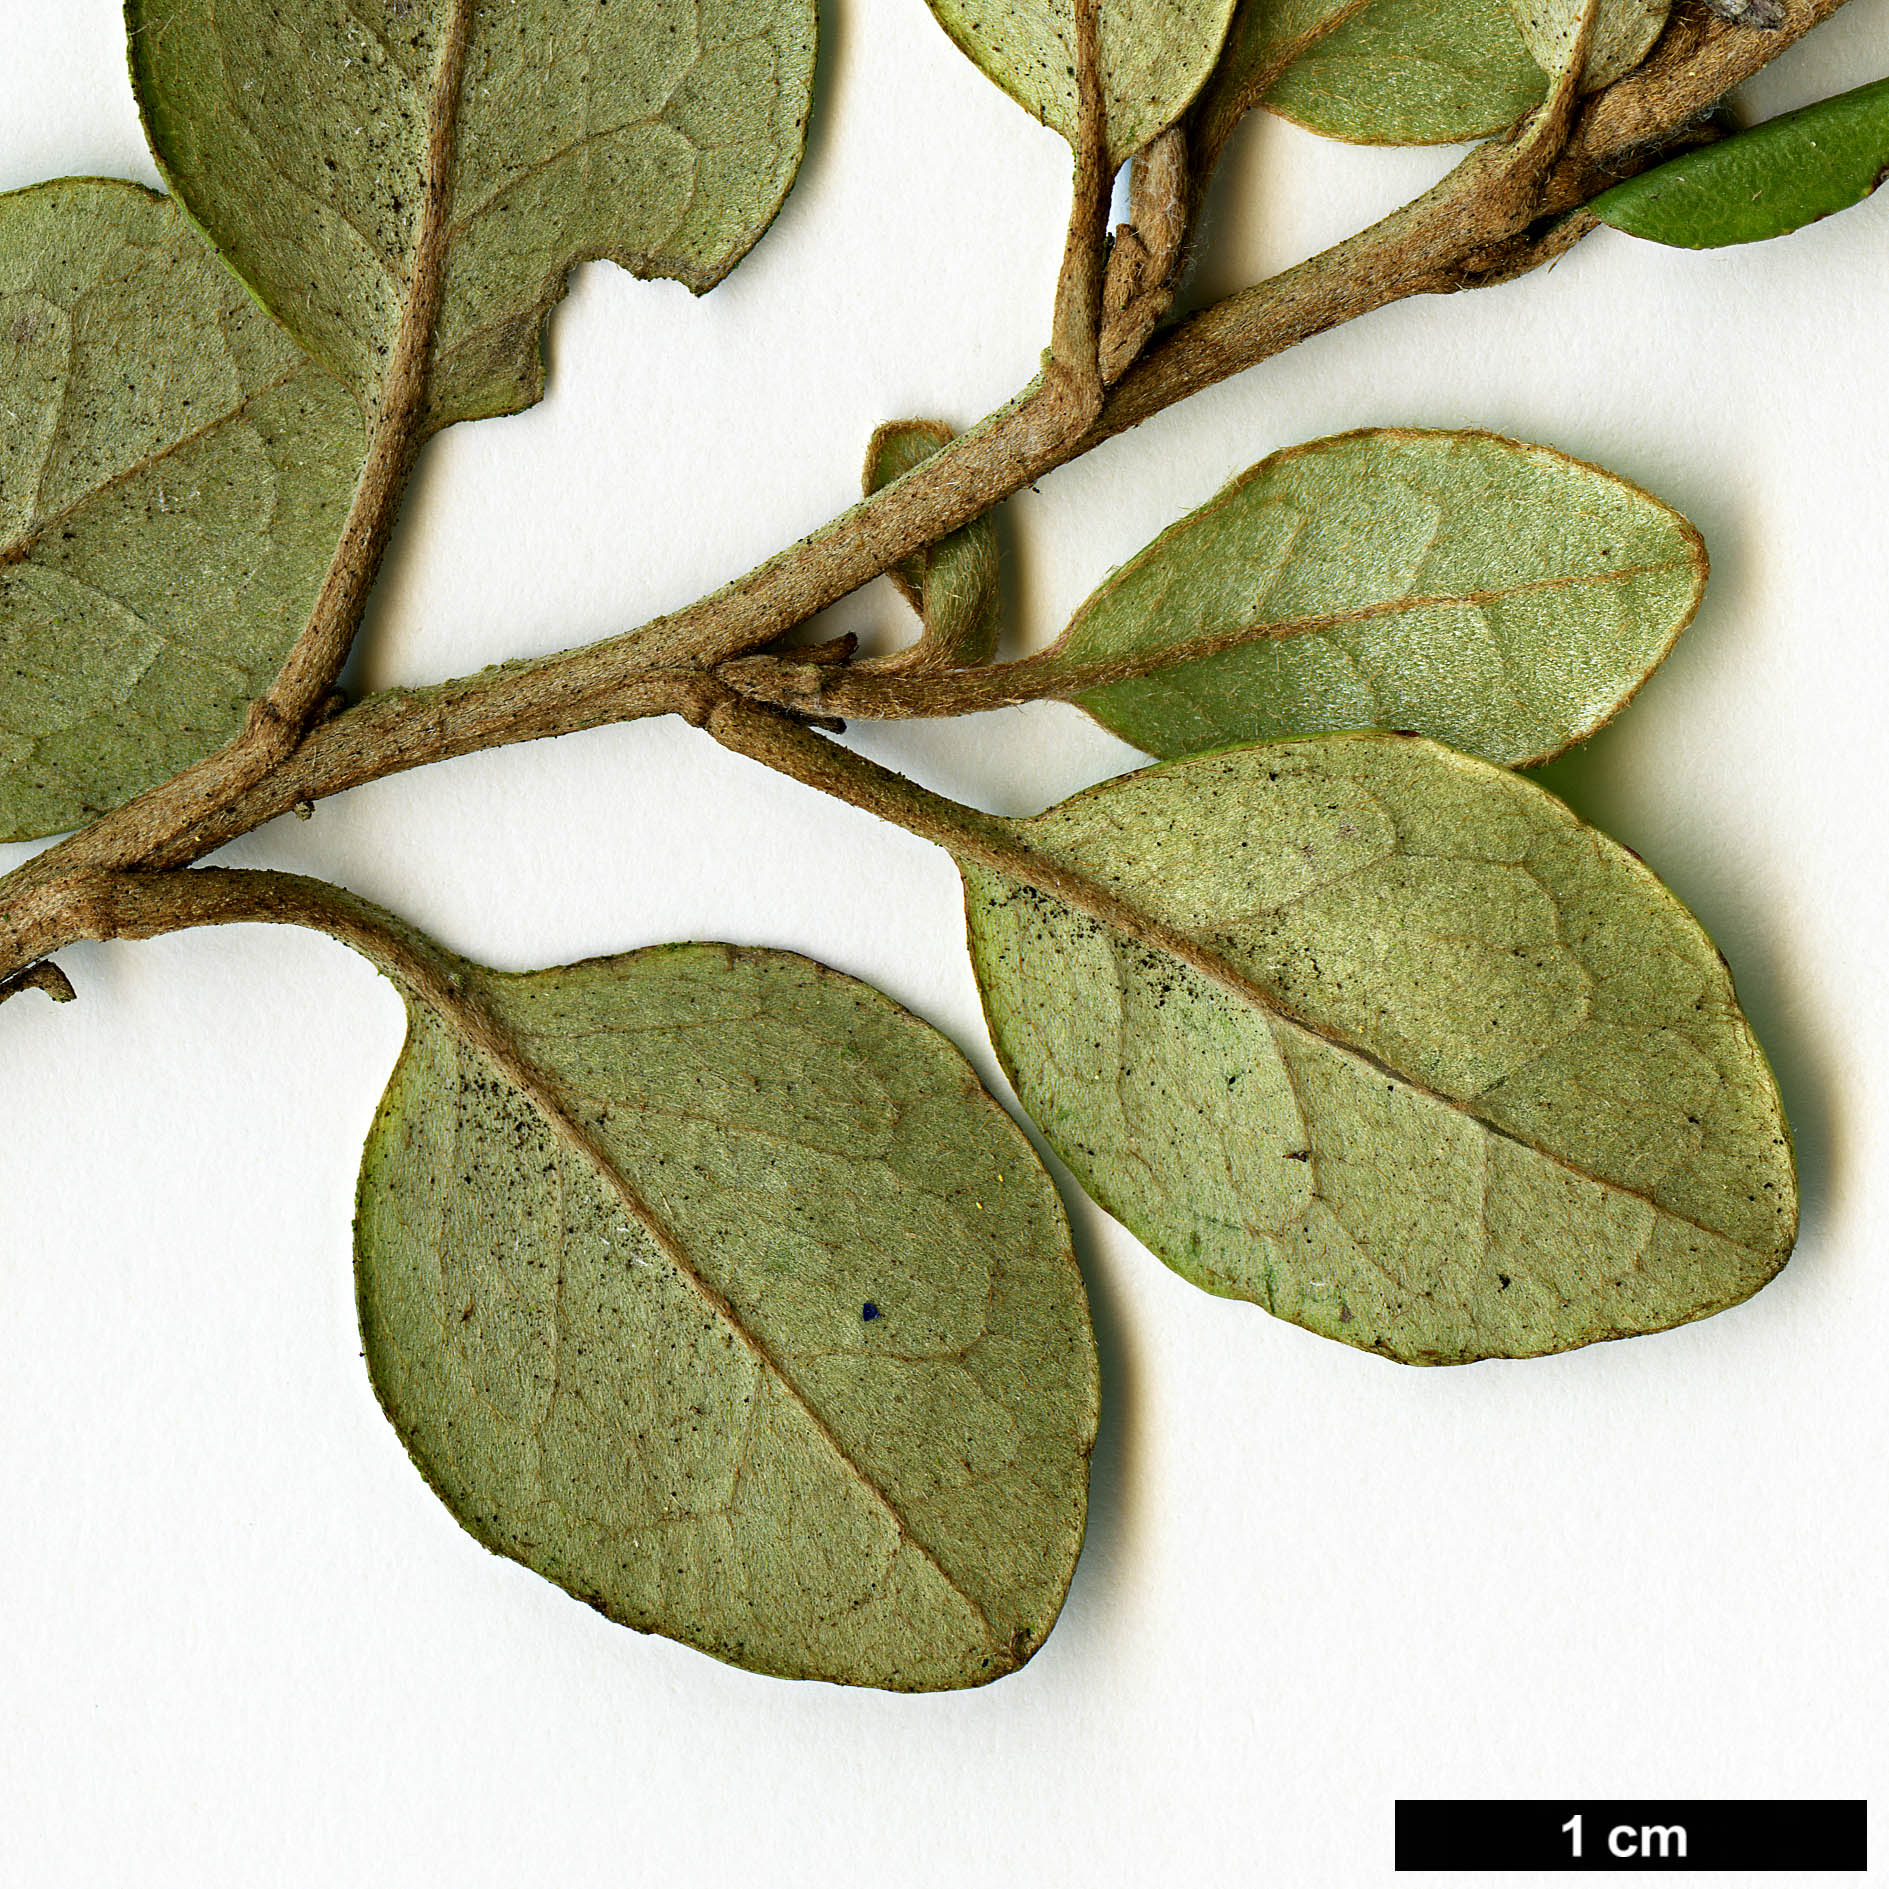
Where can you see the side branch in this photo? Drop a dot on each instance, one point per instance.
(155, 904)
(1475, 226)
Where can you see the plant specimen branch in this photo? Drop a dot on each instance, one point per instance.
(1440, 242)
(1506, 209)
(702, 1279)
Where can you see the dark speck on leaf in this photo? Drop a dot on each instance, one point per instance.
(869, 1311)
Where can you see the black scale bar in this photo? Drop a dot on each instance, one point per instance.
(1630, 1834)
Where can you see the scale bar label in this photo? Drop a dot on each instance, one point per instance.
(1633, 1834)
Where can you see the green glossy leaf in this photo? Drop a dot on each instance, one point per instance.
(1156, 54)
(174, 475)
(1392, 1045)
(1624, 32)
(1764, 182)
(1500, 597)
(1389, 71)
(662, 134)
(953, 585)
(710, 1285)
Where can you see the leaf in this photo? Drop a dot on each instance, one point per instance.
(1503, 598)
(662, 134)
(1156, 54)
(1764, 182)
(1624, 32)
(1388, 1042)
(710, 1285)
(174, 474)
(954, 584)
(1392, 71)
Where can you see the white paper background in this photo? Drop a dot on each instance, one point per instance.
(242, 1643)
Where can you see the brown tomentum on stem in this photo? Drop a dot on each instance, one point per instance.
(1510, 206)
(152, 904)
(1074, 368)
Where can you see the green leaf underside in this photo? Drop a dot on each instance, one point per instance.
(1764, 182)
(1448, 1075)
(1624, 32)
(1156, 54)
(174, 476)
(954, 585)
(1500, 597)
(1394, 71)
(662, 134)
(635, 1352)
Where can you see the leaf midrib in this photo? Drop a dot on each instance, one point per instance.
(1211, 965)
(18, 549)
(1202, 647)
(483, 1032)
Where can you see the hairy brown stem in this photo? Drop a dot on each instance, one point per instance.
(257, 777)
(970, 837)
(154, 904)
(1506, 209)
(46, 976)
(1075, 330)
(151, 904)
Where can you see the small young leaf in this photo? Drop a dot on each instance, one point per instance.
(710, 1285)
(1500, 597)
(1392, 71)
(174, 475)
(1764, 182)
(1624, 32)
(953, 585)
(661, 134)
(1392, 1045)
(1155, 56)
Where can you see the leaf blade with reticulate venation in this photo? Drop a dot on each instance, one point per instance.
(174, 476)
(1766, 182)
(1387, 1041)
(1394, 71)
(1498, 596)
(1623, 34)
(1156, 54)
(721, 1294)
(659, 134)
